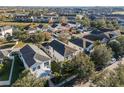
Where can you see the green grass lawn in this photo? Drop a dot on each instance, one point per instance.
(20, 44)
(5, 74)
(18, 68)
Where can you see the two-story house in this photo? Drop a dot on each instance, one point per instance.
(59, 51)
(35, 60)
(5, 31)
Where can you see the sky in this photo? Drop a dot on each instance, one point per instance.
(61, 2)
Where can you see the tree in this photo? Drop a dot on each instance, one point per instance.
(26, 79)
(121, 40)
(94, 23)
(85, 21)
(64, 20)
(68, 67)
(115, 45)
(1, 68)
(4, 65)
(47, 36)
(109, 24)
(56, 67)
(21, 35)
(101, 55)
(37, 37)
(84, 66)
(101, 23)
(40, 37)
(115, 24)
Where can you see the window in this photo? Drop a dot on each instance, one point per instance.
(46, 64)
(38, 67)
(34, 68)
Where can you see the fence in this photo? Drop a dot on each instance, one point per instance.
(67, 80)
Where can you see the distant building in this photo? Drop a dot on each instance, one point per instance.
(34, 59)
(22, 18)
(5, 30)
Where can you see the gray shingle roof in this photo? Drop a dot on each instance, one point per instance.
(41, 57)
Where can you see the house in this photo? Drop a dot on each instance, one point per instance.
(109, 33)
(35, 60)
(59, 51)
(103, 35)
(78, 43)
(4, 53)
(5, 31)
(22, 18)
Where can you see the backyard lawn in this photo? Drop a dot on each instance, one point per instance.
(5, 74)
(18, 68)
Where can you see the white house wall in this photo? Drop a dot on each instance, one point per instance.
(25, 65)
(55, 55)
(75, 46)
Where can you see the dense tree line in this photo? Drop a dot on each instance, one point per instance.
(117, 46)
(98, 23)
(81, 65)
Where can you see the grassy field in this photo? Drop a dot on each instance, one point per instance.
(14, 24)
(118, 12)
(18, 23)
